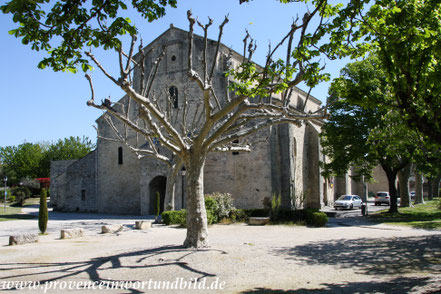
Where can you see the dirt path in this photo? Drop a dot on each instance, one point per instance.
(347, 256)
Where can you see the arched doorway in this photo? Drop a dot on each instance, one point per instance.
(158, 184)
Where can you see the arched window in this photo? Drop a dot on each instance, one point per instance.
(120, 155)
(173, 91)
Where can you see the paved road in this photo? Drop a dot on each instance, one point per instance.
(355, 212)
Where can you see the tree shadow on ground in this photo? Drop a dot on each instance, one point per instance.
(385, 256)
(394, 286)
(155, 257)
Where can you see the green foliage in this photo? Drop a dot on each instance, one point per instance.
(174, 217)
(66, 149)
(256, 212)
(272, 206)
(211, 207)
(28, 161)
(216, 206)
(405, 35)
(22, 161)
(315, 218)
(239, 215)
(80, 23)
(224, 204)
(21, 193)
(43, 215)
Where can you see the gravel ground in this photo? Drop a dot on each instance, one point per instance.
(350, 255)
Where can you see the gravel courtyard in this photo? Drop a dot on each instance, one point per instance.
(348, 256)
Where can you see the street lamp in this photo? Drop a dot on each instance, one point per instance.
(183, 171)
(5, 179)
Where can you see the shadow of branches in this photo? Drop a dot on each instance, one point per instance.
(386, 256)
(394, 286)
(155, 257)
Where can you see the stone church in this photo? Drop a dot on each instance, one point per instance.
(284, 159)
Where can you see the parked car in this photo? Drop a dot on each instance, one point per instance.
(382, 197)
(348, 202)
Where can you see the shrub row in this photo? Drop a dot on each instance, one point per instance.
(174, 217)
(220, 206)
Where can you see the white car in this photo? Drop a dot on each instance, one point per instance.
(348, 202)
(382, 197)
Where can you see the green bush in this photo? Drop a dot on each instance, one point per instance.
(42, 212)
(224, 205)
(272, 206)
(21, 193)
(239, 215)
(174, 217)
(211, 208)
(256, 212)
(316, 218)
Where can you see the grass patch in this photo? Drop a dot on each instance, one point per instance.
(422, 216)
(13, 213)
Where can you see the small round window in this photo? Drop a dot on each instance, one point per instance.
(173, 58)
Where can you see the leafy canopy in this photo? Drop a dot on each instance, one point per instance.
(32, 161)
(79, 23)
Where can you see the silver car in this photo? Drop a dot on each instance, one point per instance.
(348, 202)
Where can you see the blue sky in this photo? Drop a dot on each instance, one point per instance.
(41, 105)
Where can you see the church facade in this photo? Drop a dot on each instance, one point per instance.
(111, 179)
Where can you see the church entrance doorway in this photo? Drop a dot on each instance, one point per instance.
(158, 184)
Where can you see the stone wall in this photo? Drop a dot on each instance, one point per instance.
(75, 189)
(58, 182)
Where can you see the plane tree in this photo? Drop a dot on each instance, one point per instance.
(406, 36)
(260, 95)
(360, 131)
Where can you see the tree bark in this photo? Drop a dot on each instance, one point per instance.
(171, 187)
(197, 232)
(429, 192)
(170, 192)
(403, 178)
(435, 186)
(418, 188)
(391, 178)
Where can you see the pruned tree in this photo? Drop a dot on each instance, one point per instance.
(213, 120)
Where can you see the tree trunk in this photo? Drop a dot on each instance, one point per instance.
(418, 188)
(403, 178)
(197, 232)
(435, 186)
(429, 193)
(169, 203)
(391, 178)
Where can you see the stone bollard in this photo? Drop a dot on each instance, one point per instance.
(143, 225)
(71, 233)
(111, 229)
(23, 239)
